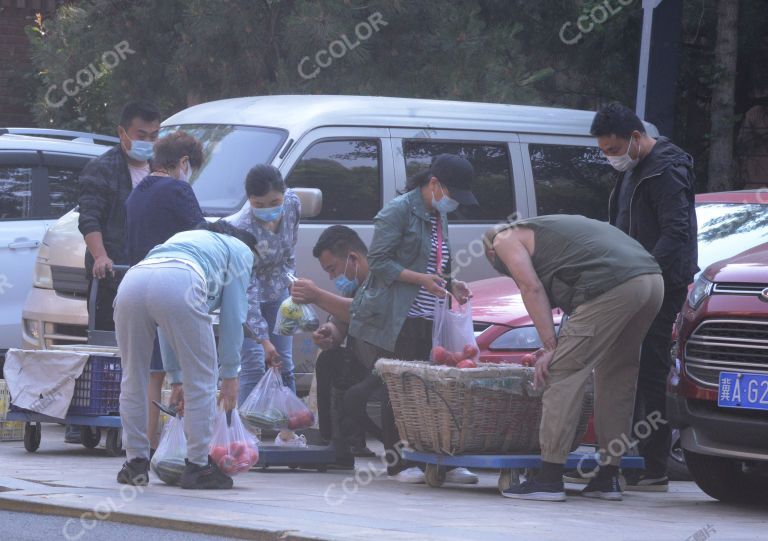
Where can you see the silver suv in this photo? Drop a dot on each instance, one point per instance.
(39, 171)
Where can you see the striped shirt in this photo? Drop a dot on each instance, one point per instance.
(424, 304)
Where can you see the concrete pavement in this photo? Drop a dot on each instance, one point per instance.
(68, 480)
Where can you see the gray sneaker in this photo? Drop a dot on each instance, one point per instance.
(204, 477)
(647, 482)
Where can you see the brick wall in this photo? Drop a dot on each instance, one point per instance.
(14, 58)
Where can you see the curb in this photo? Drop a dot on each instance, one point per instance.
(220, 530)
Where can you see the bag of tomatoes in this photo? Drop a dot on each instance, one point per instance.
(233, 449)
(453, 334)
(272, 405)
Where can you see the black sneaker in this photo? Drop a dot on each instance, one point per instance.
(534, 490)
(135, 472)
(204, 477)
(605, 487)
(580, 476)
(638, 481)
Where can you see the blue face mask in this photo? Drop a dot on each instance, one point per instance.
(269, 214)
(445, 205)
(344, 285)
(141, 151)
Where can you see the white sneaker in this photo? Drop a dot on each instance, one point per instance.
(461, 476)
(290, 439)
(413, 476)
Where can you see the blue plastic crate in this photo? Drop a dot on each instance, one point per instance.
(97, 390)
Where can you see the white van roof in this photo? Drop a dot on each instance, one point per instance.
(298, 114)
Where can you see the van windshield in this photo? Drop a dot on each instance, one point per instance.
(229, 152)
(727, 229)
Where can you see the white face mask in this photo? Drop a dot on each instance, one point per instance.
(625, 162)
(185, 175)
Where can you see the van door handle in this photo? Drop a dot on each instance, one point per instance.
(18, 244)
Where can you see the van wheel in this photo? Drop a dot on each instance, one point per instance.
(723, 479)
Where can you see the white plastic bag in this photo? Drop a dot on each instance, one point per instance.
(453, 333)
(168, 461)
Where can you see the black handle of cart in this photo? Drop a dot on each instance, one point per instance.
(99, 337)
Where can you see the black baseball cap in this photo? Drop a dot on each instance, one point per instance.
(456, 173)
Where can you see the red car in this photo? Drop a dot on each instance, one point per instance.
(729, 223)
(717, 392)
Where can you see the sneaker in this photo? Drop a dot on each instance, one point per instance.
(605, 488)
(412, 476)
(204, 477)
(580, 477)
(534, 490)
(290, 439)
(646, 482)
(461, 476)
(362, 452)
(134, 472)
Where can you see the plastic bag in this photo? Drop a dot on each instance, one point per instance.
(294, 318)
(168, 461)
(453, 334)
(233, 449)
(272, 405)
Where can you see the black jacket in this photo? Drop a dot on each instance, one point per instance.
(105, 184)
(663, 211)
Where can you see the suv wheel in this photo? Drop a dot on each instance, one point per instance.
(723, 479)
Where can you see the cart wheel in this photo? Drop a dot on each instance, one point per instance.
(508, 478)
(114, 442)
(434, 475)
(32, 434)
(90, 437)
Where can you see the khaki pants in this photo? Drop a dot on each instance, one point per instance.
(604, 335)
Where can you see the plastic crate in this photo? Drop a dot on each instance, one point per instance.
(11, 430)
(97, 390)
(5, 399)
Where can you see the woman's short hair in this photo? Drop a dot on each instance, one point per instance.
(262, 179)
(173, 147)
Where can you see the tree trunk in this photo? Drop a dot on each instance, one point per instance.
(723, 94)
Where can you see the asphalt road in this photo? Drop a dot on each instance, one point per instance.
(33, 527)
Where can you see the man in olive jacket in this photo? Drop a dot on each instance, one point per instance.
(654, 203)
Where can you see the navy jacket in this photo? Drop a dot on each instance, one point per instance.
(663, 211)
(157, 209)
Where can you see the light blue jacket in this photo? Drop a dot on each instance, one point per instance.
(226, 264)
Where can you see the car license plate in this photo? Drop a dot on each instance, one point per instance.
(748, 391)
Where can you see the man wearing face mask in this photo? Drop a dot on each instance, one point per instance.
(654, 203)
(105, 184)
(343, 255)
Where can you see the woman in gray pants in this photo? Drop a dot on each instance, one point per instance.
(174, 290)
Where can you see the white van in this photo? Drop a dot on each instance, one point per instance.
(358, 151)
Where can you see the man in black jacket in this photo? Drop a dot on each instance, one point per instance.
(654, 203)
(105, 184)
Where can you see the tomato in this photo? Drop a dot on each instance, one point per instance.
(227, 464)
(439, 355)
(217, 453)
(237, 449)
(467, 363)
(470, 351)
(528, 359)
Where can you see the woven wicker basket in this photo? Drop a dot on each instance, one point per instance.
(489, 409)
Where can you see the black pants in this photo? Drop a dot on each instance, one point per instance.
(652, 382)
(336, 372)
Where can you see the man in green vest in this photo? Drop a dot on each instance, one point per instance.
(611, 288)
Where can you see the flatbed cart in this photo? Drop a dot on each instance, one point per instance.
(94, 405)
(511, 466)
(311, 457)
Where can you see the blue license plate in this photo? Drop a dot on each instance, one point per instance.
(748, 391)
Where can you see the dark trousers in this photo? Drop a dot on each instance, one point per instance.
(414, 343)
(105, 297)
(336, 373)
(652, 381)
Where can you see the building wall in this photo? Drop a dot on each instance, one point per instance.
(14, 58)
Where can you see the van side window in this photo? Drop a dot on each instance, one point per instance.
(63, 189)
(492, 184)
(15, 192)
(348, 173)
(571, 180)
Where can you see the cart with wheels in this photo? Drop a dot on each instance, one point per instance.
(95, 402)
(512, 467)
(311, 457)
